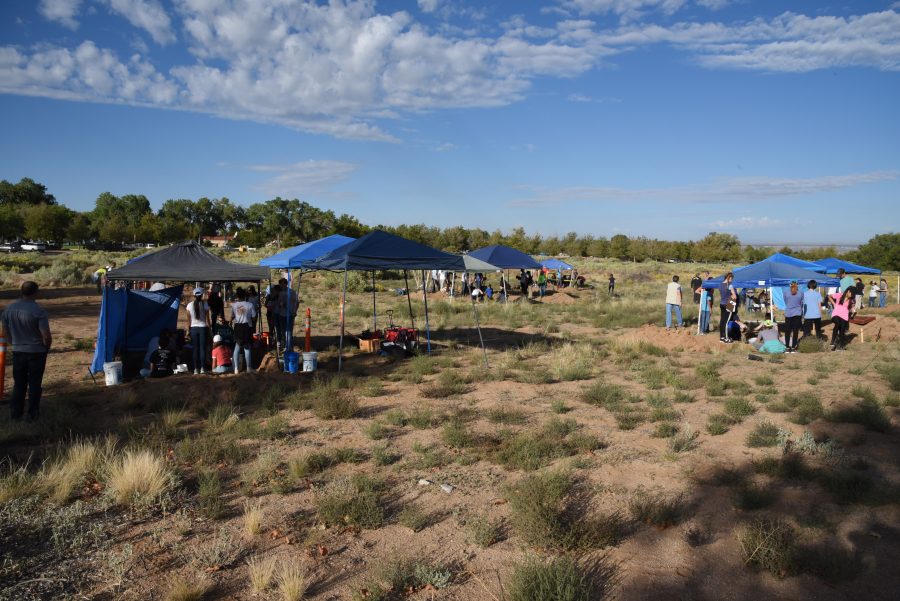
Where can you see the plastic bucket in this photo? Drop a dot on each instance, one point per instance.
(113, 373)
(291, 362)
(310, 361)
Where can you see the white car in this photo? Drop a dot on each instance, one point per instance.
(34, 245)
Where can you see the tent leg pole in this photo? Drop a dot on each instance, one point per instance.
(343, 310)
(427, 329)
(412, 318)
(699, 314)
(771, 305)
(480, 337)
(374, 308)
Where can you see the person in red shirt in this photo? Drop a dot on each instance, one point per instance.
(221, 356)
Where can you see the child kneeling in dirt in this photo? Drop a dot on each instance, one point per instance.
(768, 339)
(221, 356)
(162, 360)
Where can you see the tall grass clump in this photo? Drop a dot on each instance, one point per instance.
(572, 362)
(765, 434)
(261, 571)
(292, 582)
(449, 383)
(137, 478)
(561, 579)
(356, 501)
(181, 588)
(769, 544)
(81, 459)
(867, 413)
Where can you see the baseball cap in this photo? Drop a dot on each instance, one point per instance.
(768, 323)
(198, 291)
(217, 338)
(793, 282)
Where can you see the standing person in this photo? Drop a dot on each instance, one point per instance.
(673, 303)
(286, 314)
(253, 299)
(882, 293)
(793, 316)
(198, 313)
(728, 305)
(542, 283)
(243, 314)
(840, 316)
(706, 303)
(859, 290)
(271, 305)
(216, 305)
(612, 284)
(812, 309)
(26, 325)
(846, 280)
(523, 283)
(696, 284)
(873, 293)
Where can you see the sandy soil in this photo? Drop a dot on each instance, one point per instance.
(653, 563)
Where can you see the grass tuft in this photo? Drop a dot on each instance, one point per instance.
(137, 478)
(292, 583)
(356, 501)
(765, 434)
(181, 588)
(261, 572)
(769, 545)
(561, 579)
(656, 509)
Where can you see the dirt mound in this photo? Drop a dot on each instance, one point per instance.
(684, 338)
(559, 298)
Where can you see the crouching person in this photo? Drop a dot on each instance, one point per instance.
(221, 356)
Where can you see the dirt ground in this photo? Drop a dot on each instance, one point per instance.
(652, 562)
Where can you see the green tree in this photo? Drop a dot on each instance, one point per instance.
(618, 246)
(79, 229)
(11, 223)
(118, 219)
(46, 222)
(26, 192)
(882, 251)
(717, 247)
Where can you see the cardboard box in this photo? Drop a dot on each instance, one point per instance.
(371, 345)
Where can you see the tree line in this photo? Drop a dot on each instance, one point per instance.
(28, 210)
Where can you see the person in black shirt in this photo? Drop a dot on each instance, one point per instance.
(612, 284)
(696, 282)
(162, 361)
(216, 305)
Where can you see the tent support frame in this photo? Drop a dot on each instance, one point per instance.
(343, 311)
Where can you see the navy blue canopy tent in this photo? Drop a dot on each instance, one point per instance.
(831, 265)
(555, 264)
(784, 259)
(296, 256)
(505, 257)
(380, 250)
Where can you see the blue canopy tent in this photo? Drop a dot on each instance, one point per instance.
(555, 264)
(505, 257)
(380, 250)
(832, 265)
(129, 319)
(295, 257)
(784, 259)
(772, 274)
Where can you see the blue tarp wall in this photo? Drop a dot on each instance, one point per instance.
(555, 264)
(130, 318)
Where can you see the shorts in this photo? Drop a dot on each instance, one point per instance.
(243, 335)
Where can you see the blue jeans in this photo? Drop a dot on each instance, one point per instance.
(704, 322)
(882, 299)
(677, 309)
(236, 357)
(200, 344)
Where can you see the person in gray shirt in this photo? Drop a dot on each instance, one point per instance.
(26, 326)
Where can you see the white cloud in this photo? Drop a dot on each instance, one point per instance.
(724, 190)
(303, 178)
(148, 15)
(61, 11)
(584, 98)
(445, 147)
(428, 6)
(789, 42)
(747, 223)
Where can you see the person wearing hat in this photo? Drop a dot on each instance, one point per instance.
(221, 356)
(768, 340)
(198, 314)
(793, 316)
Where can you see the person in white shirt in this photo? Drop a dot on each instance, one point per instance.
(873, 293)
(198, 313)
(243, 314)
(673, 303)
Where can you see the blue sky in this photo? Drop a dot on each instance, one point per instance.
(775, 121)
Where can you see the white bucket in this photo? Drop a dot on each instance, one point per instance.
(113, 373)
(310, 361)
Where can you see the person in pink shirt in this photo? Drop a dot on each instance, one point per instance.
(840, 317)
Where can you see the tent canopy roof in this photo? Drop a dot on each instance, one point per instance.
(188, 262)
(555, 264)
(474, 265)
(794, 262)
(832, 265)
(295, 257)
(505, 257)
(771, 273)
(379, 250)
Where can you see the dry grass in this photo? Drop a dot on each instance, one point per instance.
(261, 571)
(253, 517)
(292, 582)
(181, 588)
(137, 478)
(82, 458)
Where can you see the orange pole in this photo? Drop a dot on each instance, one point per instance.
(2, 365)
(308, 346)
